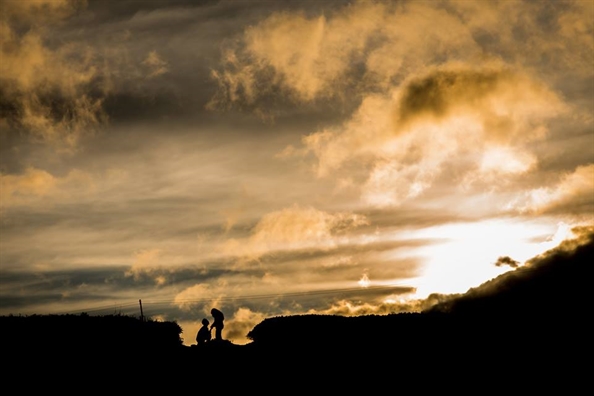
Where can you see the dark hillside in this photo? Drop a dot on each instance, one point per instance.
(534, 318)
(555, 284)
(548, 295)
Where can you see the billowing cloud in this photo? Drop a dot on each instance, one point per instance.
(364, 44)
(239, 325)
(370, 45)
(474, 122)
(193, 295)
(389, 305)
(448, 88)
(573, 191)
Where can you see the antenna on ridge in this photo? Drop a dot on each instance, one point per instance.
(141, 314)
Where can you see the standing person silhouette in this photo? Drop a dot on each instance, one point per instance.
(203, 335)
(218, 323)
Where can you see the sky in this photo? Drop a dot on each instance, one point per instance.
(285, 157)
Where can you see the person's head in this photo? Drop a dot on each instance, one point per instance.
(205, 322)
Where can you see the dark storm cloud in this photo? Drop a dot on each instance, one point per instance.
(433, 94)
(437, 94)
(450, 91)
(506, 260)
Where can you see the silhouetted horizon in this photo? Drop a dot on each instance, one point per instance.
(533, 312)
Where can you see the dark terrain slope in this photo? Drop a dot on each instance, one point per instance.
(534, 319)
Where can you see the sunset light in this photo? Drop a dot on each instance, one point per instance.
(469, 253)
(344, 157)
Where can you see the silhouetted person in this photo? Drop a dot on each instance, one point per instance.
(203, 335)
(218, 323)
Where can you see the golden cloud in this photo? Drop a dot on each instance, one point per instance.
(155, 64)
(573, 190)
(238, 326)
(144, 261)
(312, 57)
(37, 185)
(452, 86)
(372, 46)
(294, 228)
(191, 296)
(305, 55)
(476, 120)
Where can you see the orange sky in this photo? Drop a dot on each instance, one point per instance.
(275, 158)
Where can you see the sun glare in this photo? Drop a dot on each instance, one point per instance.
(364, 281)
(467, 257)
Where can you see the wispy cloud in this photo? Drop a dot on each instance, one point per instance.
(294, 228)
(155, 65)
(572, 192)
(55, 89)
(34, 186)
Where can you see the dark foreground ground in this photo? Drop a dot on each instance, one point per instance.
(528, 331)
(421, 353)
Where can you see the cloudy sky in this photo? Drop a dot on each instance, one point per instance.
(285, 157)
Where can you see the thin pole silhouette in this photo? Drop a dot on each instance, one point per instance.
(141, 314)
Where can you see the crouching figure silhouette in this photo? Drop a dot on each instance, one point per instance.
(203, 335)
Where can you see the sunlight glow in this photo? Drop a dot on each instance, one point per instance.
(505, 160)
(467, 258)
(364, 281)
